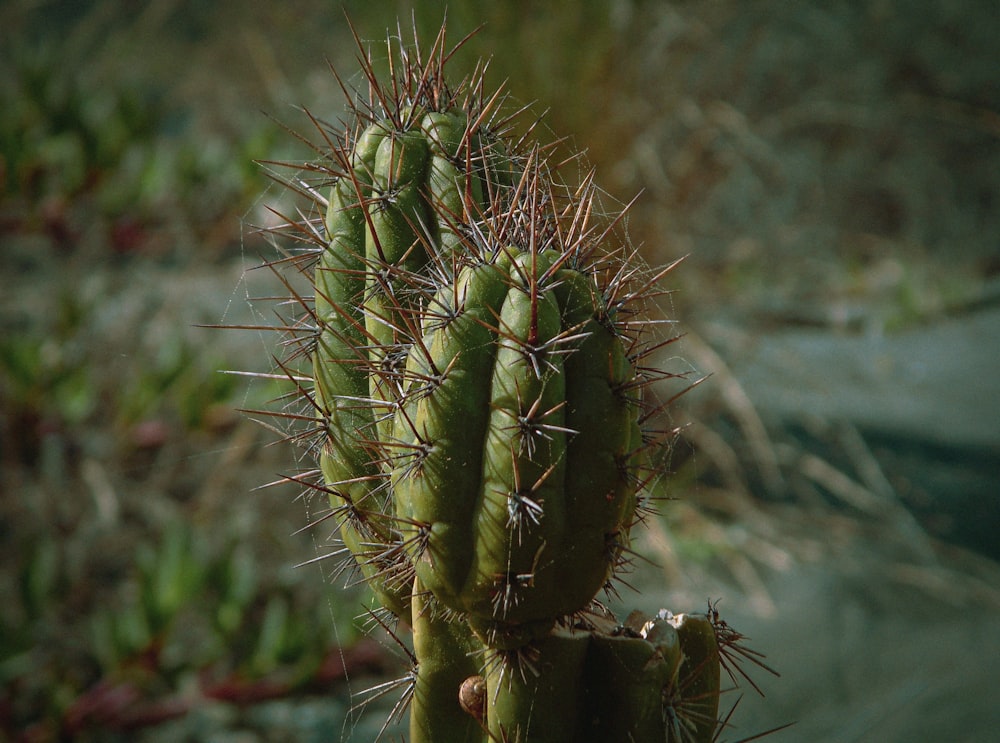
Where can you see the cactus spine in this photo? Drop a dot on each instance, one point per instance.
(477, 387)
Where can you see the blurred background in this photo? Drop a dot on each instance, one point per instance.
(829, 170)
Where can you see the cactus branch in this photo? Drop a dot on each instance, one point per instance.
(473, 373)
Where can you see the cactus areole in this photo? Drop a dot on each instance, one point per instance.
(477, 373)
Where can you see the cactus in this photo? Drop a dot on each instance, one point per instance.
(477, 386)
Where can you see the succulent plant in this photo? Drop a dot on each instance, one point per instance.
(477, 385)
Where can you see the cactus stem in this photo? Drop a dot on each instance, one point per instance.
(477, 400)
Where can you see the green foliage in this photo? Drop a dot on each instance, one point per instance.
(185, 607)
(61, 130)
(56, 383)
(96, 157)
(41, 378)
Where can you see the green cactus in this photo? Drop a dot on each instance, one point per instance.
(476, 356)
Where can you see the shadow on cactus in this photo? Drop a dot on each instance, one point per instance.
(472, 367)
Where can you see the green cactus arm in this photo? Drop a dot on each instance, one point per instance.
(536, 694)
(398, 211)
(600, 484)
(625, 679)
(363, 155)
(449, 190)
(340, 382)
(447, 408)
(520, 512)
(338, 365)
(492, 528)
(694, 702)
(397, 214)
(447, 654)
(598, 410)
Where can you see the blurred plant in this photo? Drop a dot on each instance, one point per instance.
(46, 382)
(185, 617)
(90, 147)
(179, 381)
(59, 131)
(50, 385)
